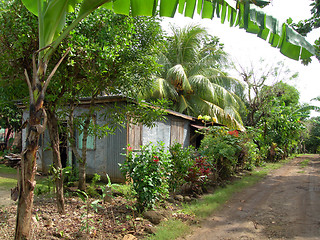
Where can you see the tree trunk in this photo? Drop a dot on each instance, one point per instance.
(83, 158)
(72, 137)
(55, 142)
(26, 181)
(82, 175)
(82, 163)
(9, 131)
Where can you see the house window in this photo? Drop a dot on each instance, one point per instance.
(91, 139)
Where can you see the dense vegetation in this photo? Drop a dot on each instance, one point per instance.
(129, 55)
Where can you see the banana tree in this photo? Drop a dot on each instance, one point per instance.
(52, 30)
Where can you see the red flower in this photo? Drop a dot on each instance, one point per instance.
(129, 149)
(155, 159)
(234, 133)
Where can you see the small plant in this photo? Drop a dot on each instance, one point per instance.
(85, 217)
(198, 174)
(92, 188)
(182, 160)
(149, 172)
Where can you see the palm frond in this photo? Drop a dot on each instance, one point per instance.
(178, 78)
(163, 89)
(183, 106)
(223, 117)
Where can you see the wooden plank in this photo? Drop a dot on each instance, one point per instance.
(135, 136)
(177, 131)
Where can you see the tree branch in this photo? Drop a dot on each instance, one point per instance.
(54, 71)
(29, 86)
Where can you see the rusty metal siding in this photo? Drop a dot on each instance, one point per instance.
(177, 131)
(180, 131)
(108, 154)
(186, 135)
(172, 130)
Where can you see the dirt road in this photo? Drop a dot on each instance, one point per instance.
(285, 205)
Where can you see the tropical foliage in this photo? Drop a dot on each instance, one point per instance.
(192, 79)
(149, 172)
(313, 140)
(308, 25)
(52, 17)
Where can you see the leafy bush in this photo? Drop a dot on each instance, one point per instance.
(92, 188)
(149, 171)
(198, 174)
(222, 148)
(182, 160)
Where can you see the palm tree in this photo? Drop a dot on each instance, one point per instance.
(191, 79)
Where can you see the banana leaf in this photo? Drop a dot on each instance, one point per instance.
(242, 13)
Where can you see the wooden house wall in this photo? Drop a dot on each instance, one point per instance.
(172, 130)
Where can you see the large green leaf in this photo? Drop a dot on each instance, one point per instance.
(247, 16)
(53, 20)
(242, 13)
(143, 7)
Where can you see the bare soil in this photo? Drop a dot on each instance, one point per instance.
(285, 205)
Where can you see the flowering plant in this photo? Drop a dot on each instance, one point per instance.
(198, 174)
(182, 161)
(148, 171)
(234, 133)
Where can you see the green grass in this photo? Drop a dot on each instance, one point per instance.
(209, 203)
(123, 188)
(171, 229)
(304, 163)
(7, 183)
(204, 207)
(7, 170)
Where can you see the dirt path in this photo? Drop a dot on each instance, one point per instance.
(285, 205)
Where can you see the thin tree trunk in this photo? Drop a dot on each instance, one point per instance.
(82, 163)
(7, 138)
(26, 181)
(26, 184)
(55, 142)
(82, 176)
(83, 158)
(72, 137)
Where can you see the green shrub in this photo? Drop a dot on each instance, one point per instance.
(149, 171)
(182, 159)
(222, 148)
(198, 175)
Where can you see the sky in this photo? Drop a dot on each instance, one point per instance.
(247, 49)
